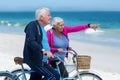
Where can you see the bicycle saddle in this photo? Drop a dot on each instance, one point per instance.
(18, 60)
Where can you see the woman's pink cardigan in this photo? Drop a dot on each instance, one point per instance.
(66, 30)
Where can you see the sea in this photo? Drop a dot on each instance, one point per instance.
(108, 32)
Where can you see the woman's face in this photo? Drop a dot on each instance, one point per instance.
(59, 27)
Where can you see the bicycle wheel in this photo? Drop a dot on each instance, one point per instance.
(19, 73)
(6, 76)
(87, 76)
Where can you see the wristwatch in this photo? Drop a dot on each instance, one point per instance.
(43, 50)
(89, 25)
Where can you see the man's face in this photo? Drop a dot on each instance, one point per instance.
(46, 18)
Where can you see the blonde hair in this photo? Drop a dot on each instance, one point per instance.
(56, 20)
(41, 12)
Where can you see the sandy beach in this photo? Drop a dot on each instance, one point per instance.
(104, 58)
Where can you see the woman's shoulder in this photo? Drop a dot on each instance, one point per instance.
(50, 31)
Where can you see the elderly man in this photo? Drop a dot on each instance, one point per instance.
(36, 45)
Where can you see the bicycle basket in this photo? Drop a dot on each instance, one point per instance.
(83, 62)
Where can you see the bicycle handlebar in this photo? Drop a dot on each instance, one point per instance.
(71, 51)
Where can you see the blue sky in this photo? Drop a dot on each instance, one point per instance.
(60, 5)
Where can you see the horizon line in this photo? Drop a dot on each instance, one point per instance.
(69, 11)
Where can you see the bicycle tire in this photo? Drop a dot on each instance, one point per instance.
(18, 72)
(88, 76)
(6, 76)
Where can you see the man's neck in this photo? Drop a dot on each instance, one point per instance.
(42, 23)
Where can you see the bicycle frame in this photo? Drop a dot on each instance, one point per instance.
(23, 73)
(67, 78)
(58, 62)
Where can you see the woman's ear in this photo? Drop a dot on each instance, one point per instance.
(54, 26)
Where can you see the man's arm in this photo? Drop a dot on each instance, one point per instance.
(31, 35)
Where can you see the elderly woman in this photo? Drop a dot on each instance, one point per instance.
(59, 42)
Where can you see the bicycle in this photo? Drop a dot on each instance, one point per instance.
(79, 75)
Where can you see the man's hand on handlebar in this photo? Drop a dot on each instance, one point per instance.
(49, 54)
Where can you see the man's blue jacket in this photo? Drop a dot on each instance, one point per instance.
(32, 52)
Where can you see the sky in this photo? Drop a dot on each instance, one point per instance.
(60, 5)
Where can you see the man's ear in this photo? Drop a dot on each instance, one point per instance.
(41, 17)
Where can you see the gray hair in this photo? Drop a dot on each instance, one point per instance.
(41, 12)
(56, 20)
